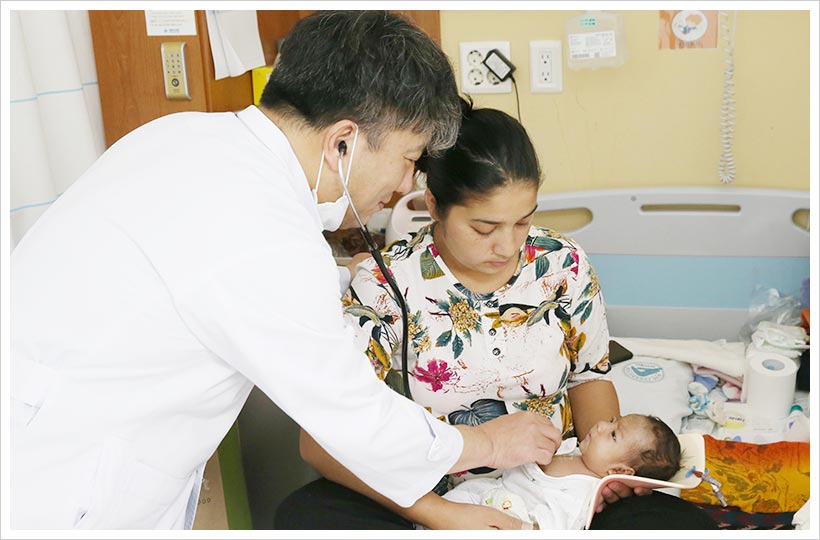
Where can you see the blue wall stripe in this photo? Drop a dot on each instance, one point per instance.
(23, 100)
(63, 91)
(66, 91)
(709, 282)
(33, 205)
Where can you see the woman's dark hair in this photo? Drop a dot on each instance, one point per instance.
(492, 150)
(372, 67)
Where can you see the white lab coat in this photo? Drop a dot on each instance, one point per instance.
(184, 267)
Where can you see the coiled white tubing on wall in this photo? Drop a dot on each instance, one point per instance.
(726, 165)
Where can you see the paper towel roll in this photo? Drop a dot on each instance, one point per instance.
(769, 385)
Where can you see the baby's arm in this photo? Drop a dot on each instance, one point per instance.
(468, 512)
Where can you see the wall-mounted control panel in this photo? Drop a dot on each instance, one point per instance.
(173, 68)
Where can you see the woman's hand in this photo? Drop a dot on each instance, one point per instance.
(355, 260)
(462, 516)
(614, 491)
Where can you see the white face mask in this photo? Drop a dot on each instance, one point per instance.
(333, 213)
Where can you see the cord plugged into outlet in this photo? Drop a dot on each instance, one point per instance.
(476, 78)
(498, 65)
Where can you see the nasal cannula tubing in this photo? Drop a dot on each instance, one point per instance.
(388, 276)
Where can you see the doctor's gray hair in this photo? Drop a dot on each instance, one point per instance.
(372, 67)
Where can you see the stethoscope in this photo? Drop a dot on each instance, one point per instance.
(375, 252)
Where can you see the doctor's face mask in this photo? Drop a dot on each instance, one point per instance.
(332, 213)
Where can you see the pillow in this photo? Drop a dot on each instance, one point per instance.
(656, 386)
(767, 478)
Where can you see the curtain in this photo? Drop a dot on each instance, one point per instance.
(55, 118)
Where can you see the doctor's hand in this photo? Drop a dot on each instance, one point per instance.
(520, 438)
(614, 491)
(463, 516)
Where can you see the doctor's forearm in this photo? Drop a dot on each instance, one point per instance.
(423, 511)
(477, 452)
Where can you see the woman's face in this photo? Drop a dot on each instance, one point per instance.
(485, 234)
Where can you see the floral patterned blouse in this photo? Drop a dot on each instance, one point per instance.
(473, 357)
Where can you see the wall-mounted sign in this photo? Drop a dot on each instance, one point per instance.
(170, 23)
(687, 29)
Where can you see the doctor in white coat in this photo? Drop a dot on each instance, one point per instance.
(188, 264)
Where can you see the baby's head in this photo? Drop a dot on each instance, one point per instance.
(634, 444)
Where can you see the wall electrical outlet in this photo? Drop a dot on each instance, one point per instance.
(475, 77)
(546, 65)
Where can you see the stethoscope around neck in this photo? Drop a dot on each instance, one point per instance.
(375, 252)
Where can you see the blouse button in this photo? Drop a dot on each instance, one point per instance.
(491, 331)
(496, 351)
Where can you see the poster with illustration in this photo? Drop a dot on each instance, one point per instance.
(687, 29)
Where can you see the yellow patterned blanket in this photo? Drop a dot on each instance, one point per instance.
(756, 477)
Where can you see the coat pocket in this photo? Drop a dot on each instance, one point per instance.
(129, 494)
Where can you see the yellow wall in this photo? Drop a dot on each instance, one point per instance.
(655, 120)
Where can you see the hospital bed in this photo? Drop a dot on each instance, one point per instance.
(673, 263)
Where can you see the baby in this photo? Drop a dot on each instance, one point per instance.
(558, 495)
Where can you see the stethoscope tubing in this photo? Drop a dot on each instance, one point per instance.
(375, 252)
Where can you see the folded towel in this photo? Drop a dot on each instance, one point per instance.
(721, 355)
(786, 340)
(737, 381)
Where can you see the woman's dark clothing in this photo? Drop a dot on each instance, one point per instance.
(324, 505)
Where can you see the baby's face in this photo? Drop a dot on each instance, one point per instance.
(612, 447)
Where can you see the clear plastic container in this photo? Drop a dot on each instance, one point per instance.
(798, 428)
(595, 39)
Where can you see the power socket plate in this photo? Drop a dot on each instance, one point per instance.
(475, 78)
(546, 65)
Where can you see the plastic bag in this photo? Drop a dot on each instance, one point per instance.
(770, 305)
